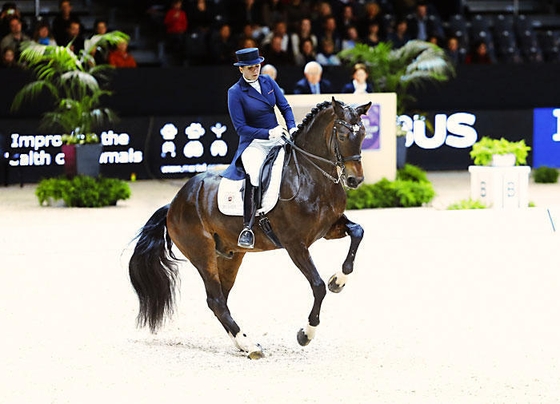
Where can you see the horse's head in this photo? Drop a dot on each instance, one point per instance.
(348, 133)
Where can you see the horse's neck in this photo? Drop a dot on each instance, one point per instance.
(315, 139)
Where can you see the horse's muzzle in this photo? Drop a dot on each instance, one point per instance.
(353, 181)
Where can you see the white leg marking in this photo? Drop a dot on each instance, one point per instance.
(341, 278)
(310, 331)
(244, 343)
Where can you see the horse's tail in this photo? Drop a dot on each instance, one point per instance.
(153, 271)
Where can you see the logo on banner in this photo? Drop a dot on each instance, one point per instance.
(455, 130)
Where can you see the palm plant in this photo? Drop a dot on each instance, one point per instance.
(398, 70)
(75, 84)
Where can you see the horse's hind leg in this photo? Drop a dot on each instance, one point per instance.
(219, 275)
(340, 229)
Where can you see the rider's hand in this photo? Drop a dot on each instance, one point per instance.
(275, 133)
(293, 130)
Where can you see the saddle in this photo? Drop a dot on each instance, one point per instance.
(230, 192)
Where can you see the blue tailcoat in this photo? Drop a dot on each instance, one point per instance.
(252, 115)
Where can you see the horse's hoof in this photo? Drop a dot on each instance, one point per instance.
(256, 355)
(302, 338)
(334, 286)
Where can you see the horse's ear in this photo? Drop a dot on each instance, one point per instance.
(363, 109)
(338, 108)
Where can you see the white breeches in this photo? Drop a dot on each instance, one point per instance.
(253, 157)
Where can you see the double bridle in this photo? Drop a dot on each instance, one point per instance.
(340, 161)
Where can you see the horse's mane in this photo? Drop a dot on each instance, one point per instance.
(311, 115)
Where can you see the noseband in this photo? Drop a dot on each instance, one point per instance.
(340, 161)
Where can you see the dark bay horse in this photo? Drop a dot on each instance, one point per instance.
(324, 155)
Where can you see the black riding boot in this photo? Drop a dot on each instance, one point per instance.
(246, 238)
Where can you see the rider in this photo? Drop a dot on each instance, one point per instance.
(251, 103)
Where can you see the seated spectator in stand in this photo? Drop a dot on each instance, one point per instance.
(15, 38)
(330, 31)
(10, 10)
(176, 24)
(452, 51)
(119, 56)
(9, 59)
(479, 54)
(61, 21)
(326, 55)
(313, 82)
(421, 26)
(351, 38)
(74, 37)
(200, 17)
(373, 38)
(271, 71)
(223, 46)
(347, 19)
(303, 32)
(306, 53)
(42, 34)
(372, 14)
(400, 37)
(99, 53)
(280, 30)
(359, 83)
(274, 54)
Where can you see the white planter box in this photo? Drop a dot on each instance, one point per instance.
(500, 187)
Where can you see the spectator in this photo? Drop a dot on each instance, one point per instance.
(9, 60)
(280, 29)
(453, 52)
(313, 82)
(43, 35)
(303, 32)
(272, 11)
(119, 56)
(330, 31)
(99, 53)
(271, 71)
(176, 25)
(295, 11)
(478, 54)
(306, 53)
(351, 38)
(347, 19)
(222, 48)
(323, 9)
(372, 14)
(359, 83)
(326, 55)
(74, 37)
(200, 17)
(15, 38)
(274, 53)
(373, 38)
(245, 12)
(422, 26)
(9, 10)
(400, 37)
(61, 21)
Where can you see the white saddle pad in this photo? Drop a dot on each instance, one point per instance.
(230, 201)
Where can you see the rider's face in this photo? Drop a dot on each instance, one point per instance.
(250, 72)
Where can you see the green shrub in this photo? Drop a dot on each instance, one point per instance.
(467, 204)
(411, 189)
(83, 191)
(545, 175)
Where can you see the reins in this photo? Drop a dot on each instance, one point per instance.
(338, 163)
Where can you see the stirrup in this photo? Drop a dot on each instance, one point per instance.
(246, 238)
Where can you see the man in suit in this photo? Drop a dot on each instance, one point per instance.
(313, 83)
(251, 103)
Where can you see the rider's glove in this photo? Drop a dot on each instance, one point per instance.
(275, 133)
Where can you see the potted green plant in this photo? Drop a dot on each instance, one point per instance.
(399, 70)
(499, 152)
(76, 87)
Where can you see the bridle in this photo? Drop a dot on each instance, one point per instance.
(338, 163)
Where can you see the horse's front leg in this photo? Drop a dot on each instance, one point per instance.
(301, 257)
(340, 229)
